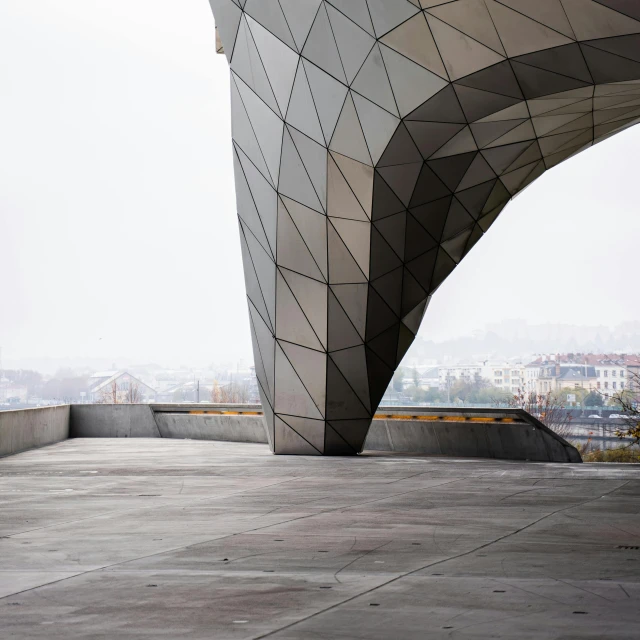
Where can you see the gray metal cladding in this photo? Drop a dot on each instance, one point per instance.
(375, 142)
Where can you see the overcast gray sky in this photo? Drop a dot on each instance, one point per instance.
(118, 234)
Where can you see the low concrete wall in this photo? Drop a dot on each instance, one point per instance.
(30, 428)
(226, 423)
(113, 421)
(468, 433)
(477, 440)
(212, 427)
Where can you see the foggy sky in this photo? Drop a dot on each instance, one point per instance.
(118, 233)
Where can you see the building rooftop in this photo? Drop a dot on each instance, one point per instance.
(123, 538)
(593, 359)
(97, 383)
(576, 375)
(103, 374)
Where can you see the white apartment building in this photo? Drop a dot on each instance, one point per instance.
(531, 375)
(611, 373)
(450, 374)
(507, 376)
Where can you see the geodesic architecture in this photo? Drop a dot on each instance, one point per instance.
(375, 141)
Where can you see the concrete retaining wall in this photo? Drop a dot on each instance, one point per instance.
(165, 421)
(518, 440)
(470, 433)
(212, 427)
(113, 421)
(30, 428)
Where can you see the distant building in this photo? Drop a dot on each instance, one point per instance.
(612, 371)
(429, 378)
(189, 391)
(531, 375)
(605, 373)
(506, 376)
(576, 377)
(393, 398)
(12, 393)
(559, 371)
(118, 386)
(633, 377)
(450, 374)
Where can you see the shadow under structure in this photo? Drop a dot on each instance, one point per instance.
(375, 142)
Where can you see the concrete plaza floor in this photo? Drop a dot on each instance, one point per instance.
(128, 538)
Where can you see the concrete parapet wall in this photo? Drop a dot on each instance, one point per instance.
(468, 433)
(113, 421)
(514, 441)
(212, 427)
(224, 422)
(508, 434)
(30, 428)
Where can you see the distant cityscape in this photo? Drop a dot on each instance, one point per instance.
(585, 364)
(135, 384)
(577, 379)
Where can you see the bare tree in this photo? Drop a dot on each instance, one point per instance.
(132, 394)
(547, 407)
(231, 393)
(113, 394)
(629, 400)
(109, 394)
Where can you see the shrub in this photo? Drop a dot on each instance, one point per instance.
(619, 454)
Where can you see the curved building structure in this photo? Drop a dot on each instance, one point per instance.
(375, 142)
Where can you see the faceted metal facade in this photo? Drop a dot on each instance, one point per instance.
(375, 141)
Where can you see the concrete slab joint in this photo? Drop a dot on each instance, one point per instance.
(124, 538)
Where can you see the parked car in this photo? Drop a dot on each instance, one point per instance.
(615, 416)
(596, 416)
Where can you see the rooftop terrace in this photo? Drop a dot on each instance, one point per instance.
(156, 538)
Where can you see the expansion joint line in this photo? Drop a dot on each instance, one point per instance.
(439, 562)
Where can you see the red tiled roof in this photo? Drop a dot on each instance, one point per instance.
(593, 359)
